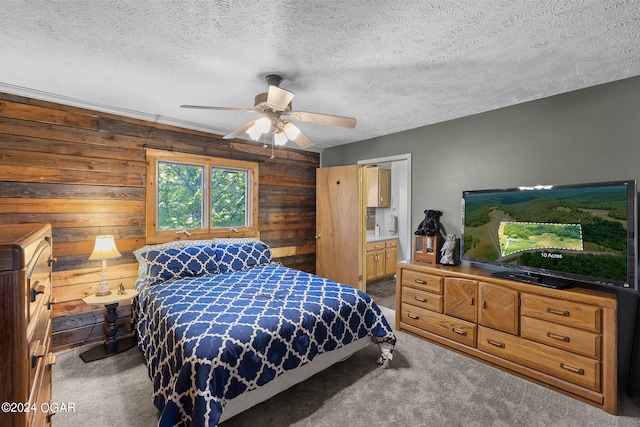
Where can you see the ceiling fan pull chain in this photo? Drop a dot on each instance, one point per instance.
(272, 144)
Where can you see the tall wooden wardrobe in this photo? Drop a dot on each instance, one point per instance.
(25, 324)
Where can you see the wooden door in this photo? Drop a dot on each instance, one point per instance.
(391, 260)
(384, 190)
(460, 298)
(339, 224)
(498, 307)
(375, 264)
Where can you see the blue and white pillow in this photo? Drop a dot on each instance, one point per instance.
(236, 257)
(165, 264)
(141, 253)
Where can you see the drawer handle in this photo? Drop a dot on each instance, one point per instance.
(420, 281)
(572, 368)
(413, 316)
(558, 337)
(558, 312)
(495, 343)
(421, 299)
(459, 331)
(472, 300)
(40, 351)
(38, 289)
(50, 415)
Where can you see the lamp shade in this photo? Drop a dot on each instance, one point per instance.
(105, 248)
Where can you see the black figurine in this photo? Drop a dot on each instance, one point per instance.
(430, 225)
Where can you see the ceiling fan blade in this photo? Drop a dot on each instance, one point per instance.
(204, 107)
(324, 119)
(303, 140)
(278, 99)
(239, 131)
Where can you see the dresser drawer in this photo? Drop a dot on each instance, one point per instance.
(448, 327)
(39, 343)
(40, 390)
(374, 246)
(427, 282)
(423, 299)
(38, 278)
(40, 394)
(562, 364)
(39, 308)
(567, 313)
(391, 243)
(574, 340)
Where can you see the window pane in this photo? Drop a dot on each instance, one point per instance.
(228, 198)
(180, 190)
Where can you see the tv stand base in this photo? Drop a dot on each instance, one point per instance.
(534, 279)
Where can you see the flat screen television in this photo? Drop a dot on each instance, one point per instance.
(554, 235)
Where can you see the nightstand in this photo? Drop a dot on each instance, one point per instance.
(111, 345)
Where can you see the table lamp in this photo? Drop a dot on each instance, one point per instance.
(104, 249)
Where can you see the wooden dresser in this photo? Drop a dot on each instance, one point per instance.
(562, 339)
(25, 324)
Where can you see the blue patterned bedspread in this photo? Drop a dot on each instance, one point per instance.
(208, 339)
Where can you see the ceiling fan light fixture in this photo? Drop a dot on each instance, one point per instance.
(254, 133)
(274, 104)
(291, 131)
(279, 138)
(263, 125)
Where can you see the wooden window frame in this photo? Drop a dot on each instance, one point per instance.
(153, 235)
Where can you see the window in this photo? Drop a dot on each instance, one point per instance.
(200, 195)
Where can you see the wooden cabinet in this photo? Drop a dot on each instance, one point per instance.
(378, 187)
(498, 307)
(460, 298)
(381, 259)
(375, 261)
(390, 257)
(562, 339)
(25, 323)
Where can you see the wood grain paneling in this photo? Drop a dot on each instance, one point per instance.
(84, 173)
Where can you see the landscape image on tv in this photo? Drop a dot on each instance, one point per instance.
(579, 231)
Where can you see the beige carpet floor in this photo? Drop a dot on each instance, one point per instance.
(425, 386)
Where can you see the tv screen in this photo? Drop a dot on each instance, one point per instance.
(554, 235)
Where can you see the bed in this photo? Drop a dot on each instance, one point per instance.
(222, 327)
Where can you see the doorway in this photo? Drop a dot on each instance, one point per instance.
(394, 221)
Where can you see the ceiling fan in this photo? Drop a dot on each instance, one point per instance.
(275, 106)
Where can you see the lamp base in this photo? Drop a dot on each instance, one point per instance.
(103, 293)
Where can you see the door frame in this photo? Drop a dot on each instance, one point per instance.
(408, 246)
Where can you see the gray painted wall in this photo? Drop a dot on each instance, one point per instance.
(588, 135)
(583, 136)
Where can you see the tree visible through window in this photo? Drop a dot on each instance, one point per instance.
(228, 197)
(199, 194)
(180, 190)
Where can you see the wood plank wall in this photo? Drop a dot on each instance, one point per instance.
(83, 172)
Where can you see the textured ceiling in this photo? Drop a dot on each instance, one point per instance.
(391, 65)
